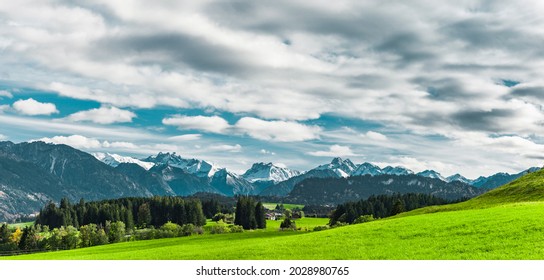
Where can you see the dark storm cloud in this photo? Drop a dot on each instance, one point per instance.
(491, 33)
(483, 120)
(174, 50)
(528, 91)
(408, 46)
(446, 89)
(367, 81)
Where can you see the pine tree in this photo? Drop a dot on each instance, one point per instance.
(144, 215)
(260, 215)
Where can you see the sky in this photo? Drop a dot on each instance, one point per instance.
(454, 86)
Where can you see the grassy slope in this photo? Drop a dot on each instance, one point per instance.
(515, 231)
(507, 223)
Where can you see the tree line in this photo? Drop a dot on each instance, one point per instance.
(382, 206)
(138, 212)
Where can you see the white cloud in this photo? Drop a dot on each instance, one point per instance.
(334, 151)
(5, 93)
(32, 107)
(186, 137)
(375, 136)
(225, 148)
(279, 131)
(123, 145)
(103, 115)
(75, 141)
(4, 108)
(213, 124)
(86, 143)
(266, 152)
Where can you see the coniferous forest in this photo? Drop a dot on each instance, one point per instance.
(382, 206)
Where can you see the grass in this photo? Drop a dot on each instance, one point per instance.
(272, 205)
(513, 231)
(20, 225)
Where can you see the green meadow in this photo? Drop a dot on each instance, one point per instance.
(272, 205)
(506, 223)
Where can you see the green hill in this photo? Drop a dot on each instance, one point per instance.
(507, 223)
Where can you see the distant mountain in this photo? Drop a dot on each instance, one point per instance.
(500, 179)
(432, 174)
(231, 184)
(183, 183)
(25, 188)
(285, 187)
(397, 170)
(367, 169)
(114, 160)
(343, 168)
(38, 172)
(331, 191)
(268, 172)
(460, 178)
(154, 182)
(197, 167)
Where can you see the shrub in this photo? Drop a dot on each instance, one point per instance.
(187, 229)
(217, 229)
(320, 228)
(364, 219)
(288, 224)
(235, 229)
(198, 230)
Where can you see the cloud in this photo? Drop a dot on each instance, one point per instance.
(5, 93)
(225, 148)
(334, 151)
(186, 137)
(421, 72)
(375, 136)
(212, 124)
(103, 115)
(32, 107)
(266, 152)
(278, 131)
(75, 141)
(82, 142)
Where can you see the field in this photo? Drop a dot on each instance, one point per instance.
(513, 231)
(506, 223)
(272, 205)
(20, 225)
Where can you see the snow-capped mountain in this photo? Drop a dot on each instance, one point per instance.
(432, 174)
(231, 184)
(197, 167)
(114, 160)
(367, 169)
(460, 178)
(397, 170)
(268, 172)
(343, 168)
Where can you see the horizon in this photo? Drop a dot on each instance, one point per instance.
(450, 87)
(281, 165)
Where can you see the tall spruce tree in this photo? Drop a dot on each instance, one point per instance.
(260, 215)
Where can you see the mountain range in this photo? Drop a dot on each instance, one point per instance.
(33, 173)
